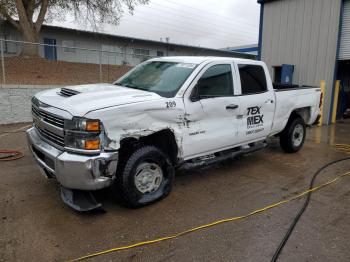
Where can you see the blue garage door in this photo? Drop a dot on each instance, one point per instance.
(50, 50)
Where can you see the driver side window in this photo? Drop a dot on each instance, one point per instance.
(216, 82)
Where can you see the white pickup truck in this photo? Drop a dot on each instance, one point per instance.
(165, 113)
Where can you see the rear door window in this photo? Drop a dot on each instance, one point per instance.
(253, 79)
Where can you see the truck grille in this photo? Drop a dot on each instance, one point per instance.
(48, 125)
(54, 138)
(48, 117)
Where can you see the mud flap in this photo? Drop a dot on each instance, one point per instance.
(79, 200)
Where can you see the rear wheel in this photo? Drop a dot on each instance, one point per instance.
(146, 176)
(293, 136)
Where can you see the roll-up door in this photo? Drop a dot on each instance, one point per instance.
(344, 51)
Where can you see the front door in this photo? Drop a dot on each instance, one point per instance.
(50, 51)
(212, 114)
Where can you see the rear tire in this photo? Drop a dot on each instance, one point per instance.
(293, 136)
(146, 176)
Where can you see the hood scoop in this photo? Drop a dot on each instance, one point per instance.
(68, 92)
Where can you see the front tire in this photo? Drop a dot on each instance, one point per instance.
(293, 136)
(146, 176)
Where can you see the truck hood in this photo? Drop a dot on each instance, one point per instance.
(82, 99)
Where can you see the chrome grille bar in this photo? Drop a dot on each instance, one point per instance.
(49, 118)
(59, 140)
(49, 126)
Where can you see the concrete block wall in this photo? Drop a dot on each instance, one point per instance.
(15, 102)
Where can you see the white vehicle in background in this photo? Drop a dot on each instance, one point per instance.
(165, 113)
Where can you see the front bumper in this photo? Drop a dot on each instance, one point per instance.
(74, 171)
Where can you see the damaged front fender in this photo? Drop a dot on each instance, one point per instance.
(142, 119)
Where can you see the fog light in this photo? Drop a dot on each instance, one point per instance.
(92, 144)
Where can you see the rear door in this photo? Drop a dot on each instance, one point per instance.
(257, 103)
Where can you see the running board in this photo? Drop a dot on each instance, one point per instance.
(224, 155)
(79, 200)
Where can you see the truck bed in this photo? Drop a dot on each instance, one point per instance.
(282, 87)
(287, 99)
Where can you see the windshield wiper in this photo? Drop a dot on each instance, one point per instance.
(136, 87)
(129, 85)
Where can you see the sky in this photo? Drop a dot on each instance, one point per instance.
(205, 23)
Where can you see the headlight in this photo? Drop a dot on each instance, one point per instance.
(82, 142)
(83, 124)
(82, 133)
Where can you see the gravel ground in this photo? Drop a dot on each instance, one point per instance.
(36, 226)
(39, 71)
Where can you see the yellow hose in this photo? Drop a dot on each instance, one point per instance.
(230, 219)
(344, 148)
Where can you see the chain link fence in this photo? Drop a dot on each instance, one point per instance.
(28, 68)
(52, 66)
(64, 64)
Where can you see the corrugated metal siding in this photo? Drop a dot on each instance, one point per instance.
(303, 33)
(344, 52)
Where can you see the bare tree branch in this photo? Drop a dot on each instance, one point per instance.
(41, 16)
(95, 13)
(22, 15)
(20, 8)
(8, 17)
(30, 7)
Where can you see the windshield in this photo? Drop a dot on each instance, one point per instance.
(163, 78)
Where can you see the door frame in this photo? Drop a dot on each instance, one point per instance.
(269, 91)
(192, 108)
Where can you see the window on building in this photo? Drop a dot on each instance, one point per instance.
(160, 53)
(139, 52)
(68, 46)
(10, 47)
(253, 79)
(216, 82)
(110, 50)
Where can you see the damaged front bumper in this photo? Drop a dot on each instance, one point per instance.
(73, 171)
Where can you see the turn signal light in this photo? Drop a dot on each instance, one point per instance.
(92, 126)
(92, 144)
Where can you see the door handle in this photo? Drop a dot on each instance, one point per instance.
(232, 106)
(269, 101)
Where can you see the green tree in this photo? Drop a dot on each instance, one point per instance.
(28, 16)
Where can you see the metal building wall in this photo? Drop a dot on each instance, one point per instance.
(303, 33)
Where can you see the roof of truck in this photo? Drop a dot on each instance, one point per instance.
(200, 59)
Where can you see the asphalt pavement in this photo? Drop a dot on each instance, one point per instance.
(35, 225)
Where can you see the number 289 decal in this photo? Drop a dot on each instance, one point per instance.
(170, 104)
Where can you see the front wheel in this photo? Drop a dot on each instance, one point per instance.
(145, 177)
(293, 136)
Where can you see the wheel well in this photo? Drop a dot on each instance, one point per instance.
(304, 113)
(164, 140)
